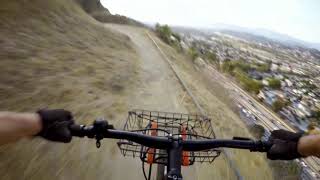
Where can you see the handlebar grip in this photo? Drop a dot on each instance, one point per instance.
(262, 146)
(77, 130)
(82, 131)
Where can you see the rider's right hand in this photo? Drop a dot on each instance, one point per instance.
(285, 145)
(55, 125)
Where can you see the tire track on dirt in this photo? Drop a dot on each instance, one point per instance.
(158, 88)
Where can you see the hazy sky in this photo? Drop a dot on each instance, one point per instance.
(298, 18)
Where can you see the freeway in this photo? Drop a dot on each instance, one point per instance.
(266, 117)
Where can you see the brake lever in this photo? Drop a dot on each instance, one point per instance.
(99, 127)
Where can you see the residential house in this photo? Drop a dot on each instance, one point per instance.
(278, 76)
(287, 114)
(288, 82)
(255, 75)
(271, 97)
(265, 82)
(301, 110)
(274, 67)
(285, 68)
(261, 95)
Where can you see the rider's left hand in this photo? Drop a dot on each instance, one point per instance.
(55, 125)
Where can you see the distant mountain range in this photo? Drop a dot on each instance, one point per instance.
(282, 38)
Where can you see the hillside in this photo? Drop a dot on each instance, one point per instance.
(93, 7)
(102, 14)
(118, 19)
(53, 54)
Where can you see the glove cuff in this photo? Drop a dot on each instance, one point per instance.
(42, 119)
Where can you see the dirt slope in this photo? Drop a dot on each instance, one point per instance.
(53, 54)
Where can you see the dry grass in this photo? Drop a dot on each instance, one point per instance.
(52, 54)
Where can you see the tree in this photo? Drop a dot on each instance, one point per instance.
(257, 131)
(228, 66)
(211, 56)
(253, 85)
(274, 83)
(242, 64)
(239, 70)
(166, 34)
(157, 26)
(308, 85)
(278, 105)
(263, 67)
(177, 36)
(193, 53)
(248, 83)
(316, 115)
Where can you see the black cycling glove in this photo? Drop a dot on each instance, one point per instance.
(55, 125)
(285, 145)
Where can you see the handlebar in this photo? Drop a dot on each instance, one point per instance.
(101, 130)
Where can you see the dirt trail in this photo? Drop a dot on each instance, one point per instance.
(157, 87)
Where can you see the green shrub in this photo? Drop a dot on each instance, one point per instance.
(166, 34)
(193, 53)
(263, 67)
(239, 70)
(248, 83)
(257, 131)
(229, 66)
(316, 115)
(244, 66)
(308, 85)
(274, 83)
(211, 57)
(278, 105)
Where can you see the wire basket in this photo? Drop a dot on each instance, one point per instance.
(163, 124)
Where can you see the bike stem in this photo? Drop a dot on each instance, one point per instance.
(174, 159)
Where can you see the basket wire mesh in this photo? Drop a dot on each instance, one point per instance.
(176, 124)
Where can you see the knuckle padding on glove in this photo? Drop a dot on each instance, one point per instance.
(59, 132)
(56, 125)
(284, 145)
(285, 135)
